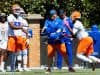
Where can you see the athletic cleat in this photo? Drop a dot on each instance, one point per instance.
(71, 69)
(2, 70)
(19, 70)
(26, 69)
(93, 66)
(48, 71)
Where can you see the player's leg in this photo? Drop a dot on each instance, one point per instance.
(12, 59)
(62, 49)
(19, 61)
(59, 60)
(70, 55)
(51, 51)
(19, 43)
(85, 49)
(1, 60)
(11, 49)
(95, 59)
(84, 58)
(82, 50)
(25, 59)
(90, 52)
(25, 54)
(3, 47)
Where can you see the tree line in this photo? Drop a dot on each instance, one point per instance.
(90, 9)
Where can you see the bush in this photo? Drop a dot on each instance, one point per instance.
(89, 8)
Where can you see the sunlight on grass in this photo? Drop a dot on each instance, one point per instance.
(55, 72)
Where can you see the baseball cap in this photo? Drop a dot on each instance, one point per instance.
(53, 12)
(61, 12)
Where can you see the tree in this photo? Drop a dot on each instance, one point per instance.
(89, 8)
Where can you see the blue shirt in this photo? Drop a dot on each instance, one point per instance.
(53, 26)
(66, 30)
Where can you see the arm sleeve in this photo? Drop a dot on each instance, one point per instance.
(25, 25)
(75, 30)
(71, 23)
(10, 18)
(45, 24)
(77, 27)
(46, 28)
(60, 27)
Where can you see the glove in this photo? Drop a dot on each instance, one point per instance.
(54, 36)
(43, 33)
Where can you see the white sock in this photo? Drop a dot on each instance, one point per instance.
(19, 65)
(19, 58)
(95, 59)
(2, 65)
(25, 61)
(24, 66)
(84, 58)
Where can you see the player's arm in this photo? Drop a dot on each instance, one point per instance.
(45, 30)
(45, 26)
(11, 23)
(59, 28)
(71, 30)
(15, 27)
(77, 27)
(25, 28)
(25, 31)
(65, 34)
(75, 30)
(68, 26)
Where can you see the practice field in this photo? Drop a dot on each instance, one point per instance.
(56, 72)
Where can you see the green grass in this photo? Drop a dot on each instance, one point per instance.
(56, 72)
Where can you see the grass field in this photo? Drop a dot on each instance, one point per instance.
(56, 72)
